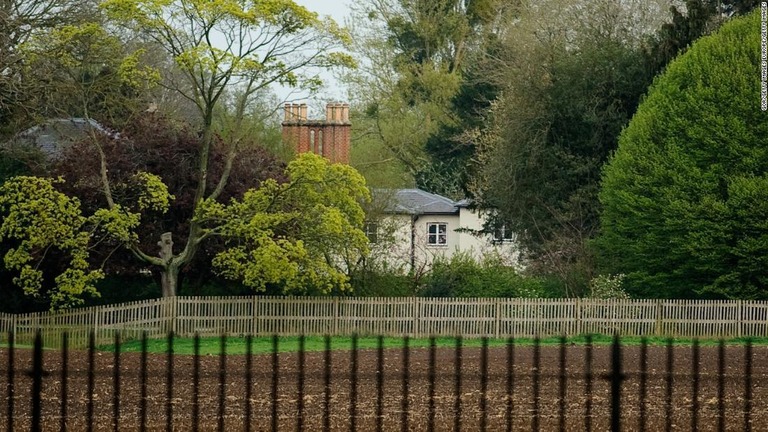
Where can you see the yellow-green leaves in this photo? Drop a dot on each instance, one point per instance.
(38, 220)
(297, 236)
(132, 72)
(153, 193)
(226, 44)
(117, 223)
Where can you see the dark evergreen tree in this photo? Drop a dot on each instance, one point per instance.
(685, 199)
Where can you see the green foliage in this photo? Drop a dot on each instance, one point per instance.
(608, 287)
(698, 18)
(84, 71)
(299, 236)
(563, 102)
(38, 219)
(685, 197)
(416, 53)
(381, 281)
(260, 43)
(462, 276)
(563, 105)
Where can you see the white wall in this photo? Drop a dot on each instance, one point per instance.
(394, 246)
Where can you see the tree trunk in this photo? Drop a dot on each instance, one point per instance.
(169, 280)
(169, 275)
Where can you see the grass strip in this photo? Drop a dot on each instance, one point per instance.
(263, 345)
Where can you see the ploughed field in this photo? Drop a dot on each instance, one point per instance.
(524, 412)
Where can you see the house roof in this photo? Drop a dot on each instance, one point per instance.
(53, 136)
(415, 201)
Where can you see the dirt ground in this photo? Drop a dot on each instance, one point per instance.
(523, 417)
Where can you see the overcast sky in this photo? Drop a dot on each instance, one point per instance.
(338, 10)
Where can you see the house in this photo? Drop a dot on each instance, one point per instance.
(54, 136)
(408, 228)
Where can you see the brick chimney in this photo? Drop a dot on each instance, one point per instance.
(329, 138)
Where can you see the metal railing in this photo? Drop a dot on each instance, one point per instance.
(464, 385)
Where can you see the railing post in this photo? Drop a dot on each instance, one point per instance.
(174, 313)
(96, 323)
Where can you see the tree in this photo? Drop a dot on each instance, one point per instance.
(146, 144)
(304, 235)
(415, 55)
(84, 71)
(569, 83)
(40, 223)
(698, 18)
(220, 45)
(20, 22)
(684, 197)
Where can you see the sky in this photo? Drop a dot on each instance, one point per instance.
(338, 10)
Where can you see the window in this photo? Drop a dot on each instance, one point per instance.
(502, 234)
(372, 232)
(437, 234)
(312, 141)
(320, 143)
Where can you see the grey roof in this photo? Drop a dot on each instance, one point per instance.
(415, 201)
(53, 136)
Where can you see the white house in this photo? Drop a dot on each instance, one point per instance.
(410, 228)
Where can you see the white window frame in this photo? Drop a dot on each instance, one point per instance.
(372, 231)
(435, 236)
(503, 234)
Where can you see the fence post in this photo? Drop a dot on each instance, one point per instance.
(497, 318)
(578, 316)
(15, 325)
(335, 316)
(416, 313)
(741, 318)
(657, 327)
(255, 316)
(174, 313)
(96, 323)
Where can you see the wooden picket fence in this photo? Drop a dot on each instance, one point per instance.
(414, 316)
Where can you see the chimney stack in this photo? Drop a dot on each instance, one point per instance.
(329, 138)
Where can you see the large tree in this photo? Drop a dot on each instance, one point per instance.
(219, 46)
(147, 144)
(414, 61)
(569, 83)
(21, 21)
(684, 198)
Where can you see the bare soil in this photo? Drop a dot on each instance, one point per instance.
(524, 413)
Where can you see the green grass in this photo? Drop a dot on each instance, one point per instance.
(263, 345)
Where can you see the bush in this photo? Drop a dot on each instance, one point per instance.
(685, 198)
(374, 282)
(608, 287)
(462, 276)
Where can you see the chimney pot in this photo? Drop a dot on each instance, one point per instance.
(303, 112)
(331, 136)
